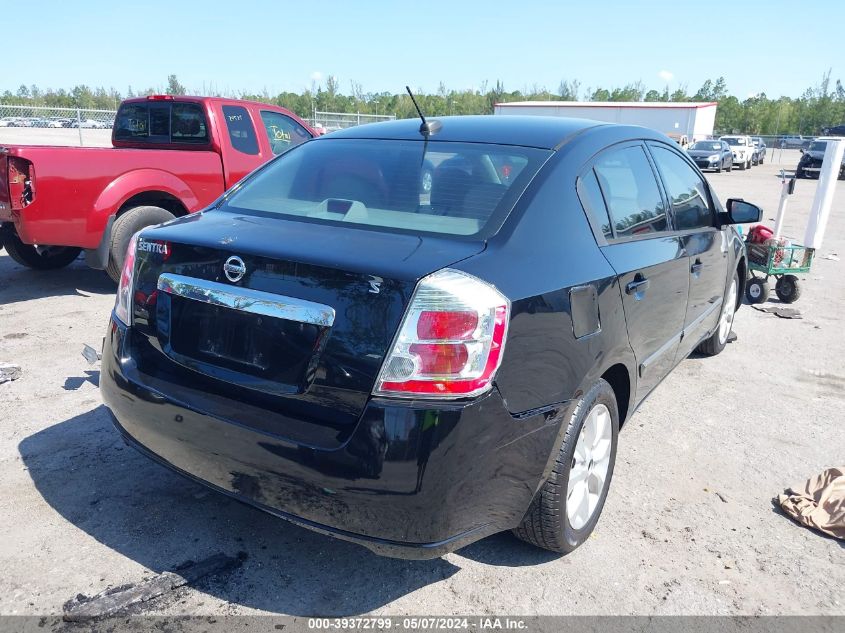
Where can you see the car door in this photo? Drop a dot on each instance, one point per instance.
(649, 260)
(694, 218)
(243, 151)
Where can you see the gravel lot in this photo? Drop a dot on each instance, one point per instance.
(689, 527)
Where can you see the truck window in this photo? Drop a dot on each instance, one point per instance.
(241, 131)
(160, 123)
(282, 131)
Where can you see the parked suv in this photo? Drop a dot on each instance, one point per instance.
(413, 371)
(793, 141)
(743, 150)
(810, 164)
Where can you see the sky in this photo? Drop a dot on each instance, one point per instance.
(773, 46)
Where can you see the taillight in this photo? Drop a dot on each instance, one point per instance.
(123, 301)
(451, 340)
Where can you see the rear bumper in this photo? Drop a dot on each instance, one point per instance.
(415, 480)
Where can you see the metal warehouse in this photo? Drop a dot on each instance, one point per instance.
(695, 121)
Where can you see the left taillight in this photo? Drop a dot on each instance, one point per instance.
(123, 301)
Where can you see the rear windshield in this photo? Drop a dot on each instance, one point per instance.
(464, 189)
(161, 122)
(732, 140)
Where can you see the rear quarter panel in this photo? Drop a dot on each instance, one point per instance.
(545, 248)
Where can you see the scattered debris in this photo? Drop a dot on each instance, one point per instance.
(90, 354)
(118, 599)
(8, 372)
(783, 313)
(721, 496)
(831, 256)
(731, 337)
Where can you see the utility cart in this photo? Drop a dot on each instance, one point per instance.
(781, 262)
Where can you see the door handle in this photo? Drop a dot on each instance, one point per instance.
(695, 269)
(640, 284)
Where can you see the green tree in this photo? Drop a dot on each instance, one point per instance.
(174, 87)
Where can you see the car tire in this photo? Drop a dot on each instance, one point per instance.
(788, 289)
(757, 290)
(719, 169)
(748, 166)
(719, 339)
(38, 257)
(742, 166)
(125, 226)
(730, 166)
(551, 521)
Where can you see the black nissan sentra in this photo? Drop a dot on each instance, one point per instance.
(415, 363)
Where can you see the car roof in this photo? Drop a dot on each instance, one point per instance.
(527, 131)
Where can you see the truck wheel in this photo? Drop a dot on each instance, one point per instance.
(125, 226)
(719, 339)
(38, 257)
(566, 509)
(742, 166)
(788, 289)
(757, 290)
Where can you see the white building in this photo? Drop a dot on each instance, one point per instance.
(693, 120)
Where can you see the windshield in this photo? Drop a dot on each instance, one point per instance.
(734, 141)
(818, 146)
(462, 189)
(707, 146)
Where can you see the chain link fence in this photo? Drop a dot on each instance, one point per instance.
(39, 125)
(331, 121)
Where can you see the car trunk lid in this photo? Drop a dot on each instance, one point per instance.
(291, 339)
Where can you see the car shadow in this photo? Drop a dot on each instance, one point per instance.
(19, 283)
(143, 511)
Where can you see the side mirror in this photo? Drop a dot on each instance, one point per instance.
(742, 212)
(801, 149)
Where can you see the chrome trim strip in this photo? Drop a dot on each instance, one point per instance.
(247, 300)
(694, 325)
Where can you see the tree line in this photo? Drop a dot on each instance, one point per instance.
(819, 106)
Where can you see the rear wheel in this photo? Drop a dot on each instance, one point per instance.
(568, 505)
(719, 339)
(125, 226)
(757, 290)
(37, 256)
(788, 289)
(742, 166)
(730, 166)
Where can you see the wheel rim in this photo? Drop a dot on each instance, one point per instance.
(754, 290)
(728, 311)
(588, 471)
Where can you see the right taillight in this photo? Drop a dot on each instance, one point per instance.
(123, 300)
(451, 340)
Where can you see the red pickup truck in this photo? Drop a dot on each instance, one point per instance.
(171, 156)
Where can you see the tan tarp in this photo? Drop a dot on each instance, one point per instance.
(819, 503)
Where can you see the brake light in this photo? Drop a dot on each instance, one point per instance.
(160, 98)
(450, 342)
(123, 301)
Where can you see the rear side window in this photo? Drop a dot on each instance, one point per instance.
(161, 122)
(282, 131)
(687, 191)
(462, 189)
(591, 199)
(241, 130)
(630, 190)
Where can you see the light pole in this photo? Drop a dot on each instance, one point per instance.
(376, 102)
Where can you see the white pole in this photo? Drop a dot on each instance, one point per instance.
(820, 211)
(784, 198)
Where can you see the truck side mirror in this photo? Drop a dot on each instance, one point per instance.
(742, 212)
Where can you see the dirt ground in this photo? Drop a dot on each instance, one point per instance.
(689, 526)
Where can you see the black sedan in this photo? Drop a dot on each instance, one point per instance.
(414, 370)
(711, 155)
